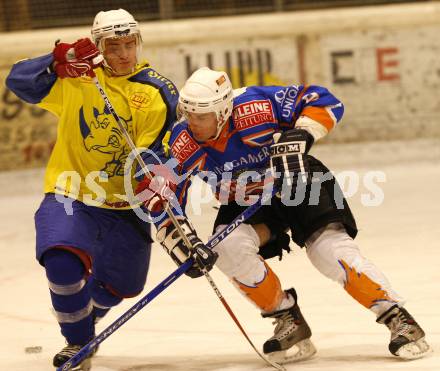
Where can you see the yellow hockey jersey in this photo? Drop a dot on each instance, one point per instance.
(89, 159)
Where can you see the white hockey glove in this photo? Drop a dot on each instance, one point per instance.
(288, 157)
(173, 243)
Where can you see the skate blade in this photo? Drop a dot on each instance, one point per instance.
(415, 350)
(300, 351)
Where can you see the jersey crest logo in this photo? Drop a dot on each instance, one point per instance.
(139, 100)
(253, 113)
(101, 133)
(184, 147)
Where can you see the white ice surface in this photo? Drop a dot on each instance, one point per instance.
(186, 327)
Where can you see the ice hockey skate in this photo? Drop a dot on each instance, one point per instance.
(291, 340)
(407, 337)
(68, 352)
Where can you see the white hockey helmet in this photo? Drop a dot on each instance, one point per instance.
(208, 91)
(115, 24)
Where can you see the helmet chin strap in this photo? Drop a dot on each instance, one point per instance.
(108, 68)
(219, 126)
(112, 72)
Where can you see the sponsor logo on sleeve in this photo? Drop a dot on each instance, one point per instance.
(253, 113)
(184, 147)
(156, 76)
(286, 98)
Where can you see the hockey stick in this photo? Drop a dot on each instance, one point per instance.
(213, 241)
(255, 207)
(237, 322)
(170, 213)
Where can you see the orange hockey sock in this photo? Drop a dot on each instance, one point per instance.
(266, 294)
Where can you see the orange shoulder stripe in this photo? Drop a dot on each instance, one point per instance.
(319, 114)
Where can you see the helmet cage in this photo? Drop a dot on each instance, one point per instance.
(115, 24)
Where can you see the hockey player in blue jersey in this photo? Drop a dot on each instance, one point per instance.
(98, 253)
(239, 141)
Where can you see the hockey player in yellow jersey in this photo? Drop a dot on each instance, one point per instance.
(95, 250)
(88, 138)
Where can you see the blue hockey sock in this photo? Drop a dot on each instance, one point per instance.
(70, 295)
(102, 299)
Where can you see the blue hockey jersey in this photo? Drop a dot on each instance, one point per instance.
(238, 159)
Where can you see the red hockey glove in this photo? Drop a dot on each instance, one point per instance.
(83, 49)
(156, 191)
(73, 69)
(77, 59)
